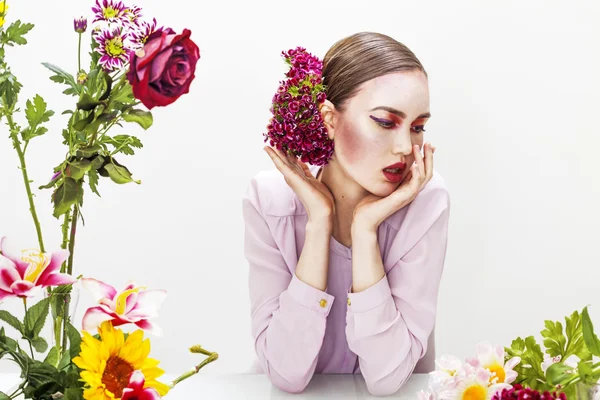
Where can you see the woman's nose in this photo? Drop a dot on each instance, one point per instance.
(402, 144)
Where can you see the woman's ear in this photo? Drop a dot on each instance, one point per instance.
(328, 111)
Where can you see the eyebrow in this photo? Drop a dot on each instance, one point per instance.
(399, 113)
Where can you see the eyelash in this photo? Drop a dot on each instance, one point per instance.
(389, 124)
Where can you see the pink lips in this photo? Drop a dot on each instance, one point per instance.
(394, 176)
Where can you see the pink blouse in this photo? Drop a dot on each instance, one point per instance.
(382, 332)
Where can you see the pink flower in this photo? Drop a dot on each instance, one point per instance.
(492, 359)
(133, 304)
(135, 390)
(22, 276)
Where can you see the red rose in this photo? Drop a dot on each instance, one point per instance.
(164, 70)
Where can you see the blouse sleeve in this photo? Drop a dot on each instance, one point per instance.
(288, 316)
(389, 323)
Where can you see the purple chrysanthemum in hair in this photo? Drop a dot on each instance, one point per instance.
(297, 125)
(80, 24)
(112, 47)
(111, 11)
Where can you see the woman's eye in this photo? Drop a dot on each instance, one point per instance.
(384, 123)
(419, 128)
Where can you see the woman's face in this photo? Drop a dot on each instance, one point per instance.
(378, 128)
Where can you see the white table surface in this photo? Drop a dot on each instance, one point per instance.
(258, 386)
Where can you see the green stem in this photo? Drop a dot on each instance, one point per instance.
(211, 357)
(28, 341)
(65, 237)
(79, 55)
(70, 272)
(576, 377)
(17, 145)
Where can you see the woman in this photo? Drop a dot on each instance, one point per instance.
(346, 259)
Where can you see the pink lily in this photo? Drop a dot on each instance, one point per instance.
(23, 276)
(134, 304)
(135, 390)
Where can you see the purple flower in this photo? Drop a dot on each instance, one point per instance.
(112, 47)
(518, 392)
(294, 106)
(140, 35)
(112, 11)
(133, 15)
(80, 24)
(297, 124)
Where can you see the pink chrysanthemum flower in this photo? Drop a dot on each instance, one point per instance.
(139, 36)
(133, 15)
(112, 47)
(297, 125)
(112, 11)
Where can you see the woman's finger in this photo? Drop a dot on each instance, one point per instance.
(281, 164)
(419, 161)
(305, 169)
(429, 163)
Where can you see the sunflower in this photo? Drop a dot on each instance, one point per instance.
(107, 364)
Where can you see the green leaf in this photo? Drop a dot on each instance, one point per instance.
(64, 361)
(97, 162)
(63, 77)
(124, 143)
(529, 370)
(74, 340)
(45, 390)
(108, 81)
(294, 91)
(87, 103)
(36, 112)
(4, 396)
(82, 123)
(93, 181)
(89, 151)
(142, 118)
(555, 341)
(73, 394)
(119, 173)
(591, 340)
(36, 318)
(6, 343)
(39, 344)
(40, 373)
(15, 33)
(11, 320)
(65, 195)
(558, 372)
(52, 357)
(78, 169)
(124, 95)
(585, 371)
(576, 344)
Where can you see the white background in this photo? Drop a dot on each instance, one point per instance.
(515, 92)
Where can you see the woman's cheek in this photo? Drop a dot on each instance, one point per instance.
(358, 147)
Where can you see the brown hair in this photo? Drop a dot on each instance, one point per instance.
(361, 57)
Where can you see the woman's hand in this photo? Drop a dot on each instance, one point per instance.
(314, 195)
(373, 210)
